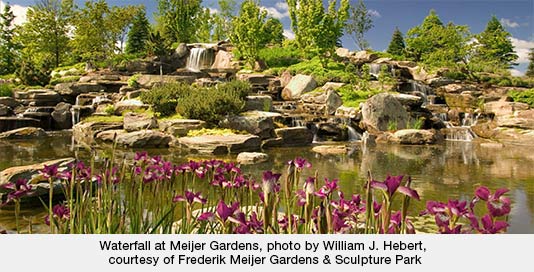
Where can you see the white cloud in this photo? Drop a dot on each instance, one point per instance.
(19, 12)
(282, 6)
(374, 13)
(522, 49)
(289, 34)
(275, 13)
(509, 23)
(516, 72)
(213, 10)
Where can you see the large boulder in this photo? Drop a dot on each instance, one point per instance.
(331, 149)
(416, 136)
(85, 133)
(259, 123)
(521, 120)
(144, 139)
(5, 110)
(504, 108)
(298, 85)
(251, 157)
(23, 134)
(321, 102)
(39, 97)
(289, 137)
(343, 52)
(40, 185)
(259, 103)
(220, 145)
(224, 61)
(409, 101)
(62, 116)
(383, 110)
(130, 105)
(180, 127)
(74, 89)
(138, 121)
(362, 57)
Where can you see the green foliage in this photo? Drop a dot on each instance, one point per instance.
(333, 71)
(249, 30)
(212, 131)
(317, 31)
(155, 44)
(33, 75)
(65, 79)
(525, 96)
(416, 124)
(222, 20)
(205, 25)
(493, 44)
(180, 20)
(208, 104)
(133, 81)
(274, 31)
(138, 34)
(530, 69)
(164, 98)
(437, 45)
(104, 119)
(45, 35)
(359, 22)
(280, 56)
(5, 90)
(352, 95)
(110, 109)
(7, 44)
(396, 46)
(392, 125)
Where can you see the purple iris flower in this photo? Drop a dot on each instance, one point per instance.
(60, 212)
(18, 190)
(270, 181)
(224, 211)
(327, 189)
(49, 171)
(300, 163)
(392, 184)
(190, 198)
(497, 204)
(141, 156)
(207, 216)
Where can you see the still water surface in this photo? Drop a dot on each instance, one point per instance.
(441, 172)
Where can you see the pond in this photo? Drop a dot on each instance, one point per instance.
(440, 172)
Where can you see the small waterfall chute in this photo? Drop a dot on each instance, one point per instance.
(200, 58)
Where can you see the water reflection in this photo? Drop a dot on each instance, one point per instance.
(452, 170)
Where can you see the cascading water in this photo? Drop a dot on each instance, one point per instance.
(374, 69)
(462, 133)
(200, 58)
(353, 134)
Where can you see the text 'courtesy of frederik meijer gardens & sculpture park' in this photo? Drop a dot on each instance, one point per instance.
(266, 117)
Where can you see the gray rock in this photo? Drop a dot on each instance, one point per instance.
(382, 110)
(85, 133)
(62, 116)
(5, 110)
(410, 101)
(333, 86)
(9, 101)
(223, 61)
(11, 123)
(180, 127)
(252, 157)
(415, 136)
(218, 145)
(109, 136)
(23, 134)
(343, 52)
(347, 112)
(330, 149)
(298, 85)
(130, 105)
(259, 103)
(137, 121)
(259, 123)
(328, 101)
(143, 139)
(181, 51)
(293, 136)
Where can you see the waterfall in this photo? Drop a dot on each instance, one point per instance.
(75, 112)
(469, 119)
(353, 134)
(297, 121)
(460, 134)
(200, 58)
(374, 69)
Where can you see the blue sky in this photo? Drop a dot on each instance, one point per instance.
(515, 15)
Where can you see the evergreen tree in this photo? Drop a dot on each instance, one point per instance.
(358, 23)
(274, 31)
(138, 34)
(45, 35)
(494, 44)
(436, 44)
(396, 46)
(530, 69)
(7, 44)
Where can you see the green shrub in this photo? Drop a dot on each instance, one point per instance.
(32, 75)
(5, 90)
(213, 104)
(65, 79)
(334, 71)
(526, 96)
(133, 81)
(352, 95)
(164, 98)
(280, 56)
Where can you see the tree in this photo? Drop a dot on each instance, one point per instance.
(494, 44)
(205, 26)
(317, 31)
(248, 28)
(179, 19)
(396, 46)
(223, 19)
(274, 31)
(7, 44)
(45, 35)
(530, 69)
(138, 34)
(436, 44)
(358, 23)
(120, 19)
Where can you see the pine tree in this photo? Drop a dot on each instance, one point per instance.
(7, 45)
(530, 69)
(138, 34)
(495, 44)
(396, 46)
